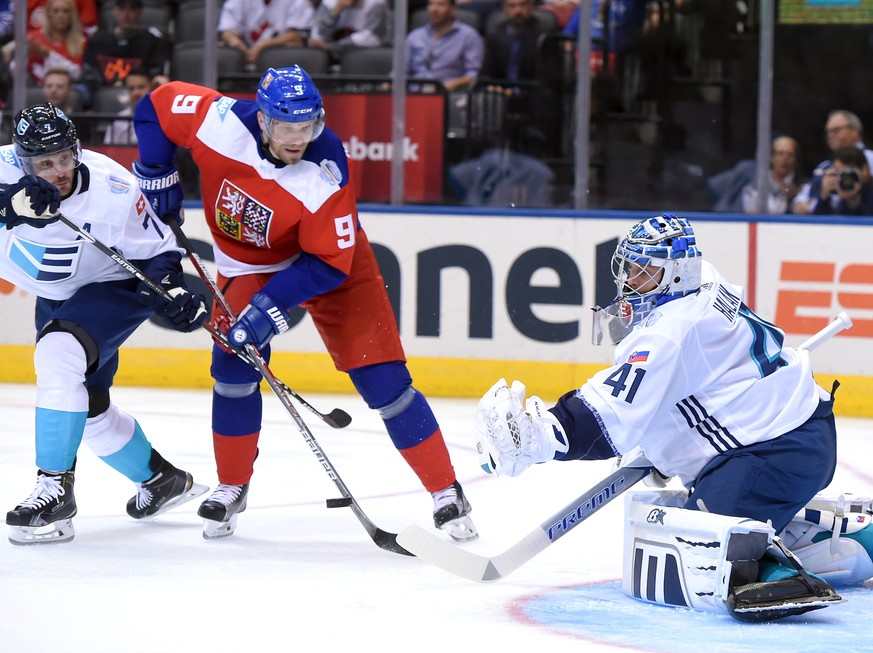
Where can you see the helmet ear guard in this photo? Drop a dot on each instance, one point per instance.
(661, 251)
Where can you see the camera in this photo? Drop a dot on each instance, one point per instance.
(848, 178)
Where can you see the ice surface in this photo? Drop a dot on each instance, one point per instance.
(297, 576)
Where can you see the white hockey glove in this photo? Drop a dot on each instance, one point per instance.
(31, 200)
(509, 439)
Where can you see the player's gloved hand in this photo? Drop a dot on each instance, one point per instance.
(162, 188)
(185, 313)
(31, 200)
(258, 323)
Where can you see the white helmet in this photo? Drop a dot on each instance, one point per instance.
(660, 256)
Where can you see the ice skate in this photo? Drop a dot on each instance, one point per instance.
(220, 510)
(45, 517)
(167, 488)
(451, 513)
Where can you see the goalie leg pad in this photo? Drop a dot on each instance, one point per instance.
(711, 562)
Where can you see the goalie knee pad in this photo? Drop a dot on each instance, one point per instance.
(709, 562)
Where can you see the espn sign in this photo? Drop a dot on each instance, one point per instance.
(812, 292)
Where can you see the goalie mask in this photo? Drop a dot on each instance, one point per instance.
(41, 131)
(291, 106)
(657, 262)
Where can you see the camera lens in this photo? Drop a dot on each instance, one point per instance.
(848, 179)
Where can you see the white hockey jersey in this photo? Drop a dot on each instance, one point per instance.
(700, 376)
(53, 261)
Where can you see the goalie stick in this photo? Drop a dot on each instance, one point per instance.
(479, 568)
(383, 539)
(336, 418)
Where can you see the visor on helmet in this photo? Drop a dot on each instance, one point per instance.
(293, 133)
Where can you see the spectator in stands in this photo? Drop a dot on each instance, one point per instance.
(252, 25)
(624, 21)
(59, 43)
(57, 88)
(7, 27)
(511, 45)
(785, 178)
(735, 190)
(848, 182)
(86, 9)
(511, 56)
(341, 26)
(445, 49)
(138, 84)
(113, 52)
(842, 129)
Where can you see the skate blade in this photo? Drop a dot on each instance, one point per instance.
(54, 533)
(193, 492)
(214, 530)
(461, 529)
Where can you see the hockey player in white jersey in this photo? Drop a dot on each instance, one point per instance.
(86, 307)
(706, 389)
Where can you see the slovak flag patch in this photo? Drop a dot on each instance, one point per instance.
(638, 357)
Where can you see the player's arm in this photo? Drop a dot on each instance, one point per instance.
(153, 249)
(165, 119)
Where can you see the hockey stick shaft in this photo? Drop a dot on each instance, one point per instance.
(336, 418)
(479, 568)
(482, 568)
(383, 539)
(839, 323)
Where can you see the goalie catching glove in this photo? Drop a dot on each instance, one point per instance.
(162, 188)
(511, 435)
(31, 200)
(262, 319)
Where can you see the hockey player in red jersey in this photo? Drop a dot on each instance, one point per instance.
(281, 208)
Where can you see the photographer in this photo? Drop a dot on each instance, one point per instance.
(848, 179)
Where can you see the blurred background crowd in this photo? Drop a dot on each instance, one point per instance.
(673, 115)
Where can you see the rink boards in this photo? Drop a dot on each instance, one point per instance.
(485, 294)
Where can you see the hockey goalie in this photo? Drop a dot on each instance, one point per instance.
(707, 391)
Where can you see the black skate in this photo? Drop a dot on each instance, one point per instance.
(219, 511)
(45, 517)
(451, 513)
(166, 489)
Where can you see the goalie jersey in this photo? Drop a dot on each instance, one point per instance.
(700, 376)
(53, 261)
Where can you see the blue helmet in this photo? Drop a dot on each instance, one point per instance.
(289, 95)
(657, 262)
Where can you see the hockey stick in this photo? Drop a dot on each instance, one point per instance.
(483, 568)
(479, 568)
(336, 418)
(383, 539)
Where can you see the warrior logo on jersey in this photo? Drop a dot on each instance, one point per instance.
(45, 263)
(241, 217)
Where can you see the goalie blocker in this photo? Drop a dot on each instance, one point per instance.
(712, 563)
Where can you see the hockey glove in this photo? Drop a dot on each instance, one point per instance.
(258, 323)
(185, 312)
(31, 200)
(162, 188)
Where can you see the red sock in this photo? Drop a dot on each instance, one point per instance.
(430, 461)
(235, 457)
